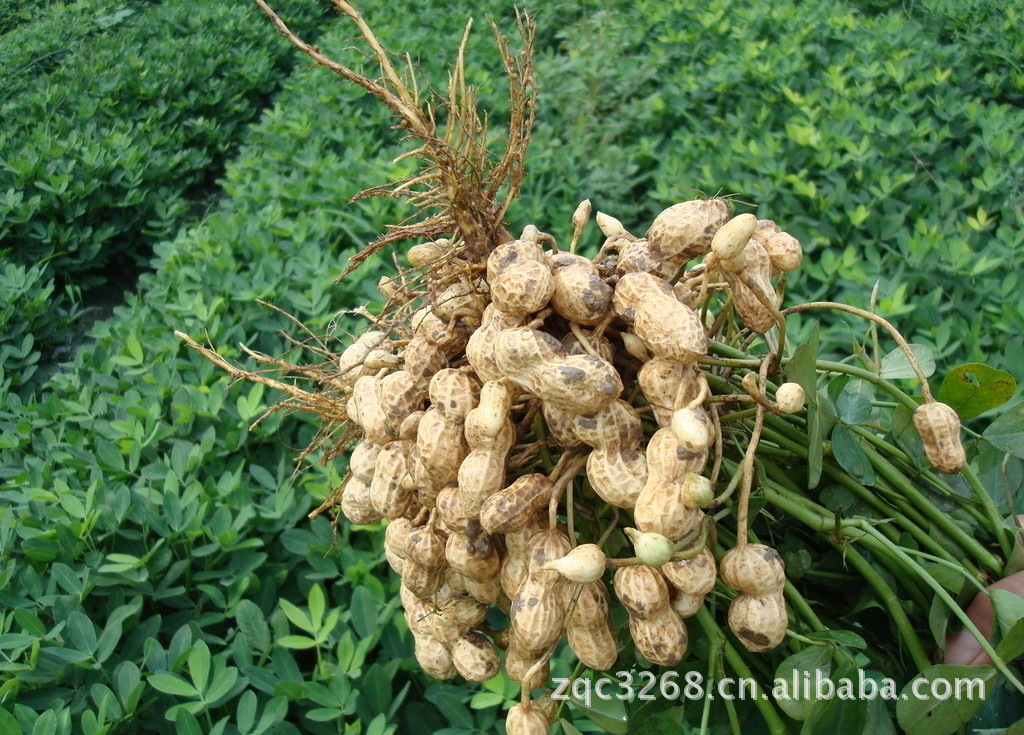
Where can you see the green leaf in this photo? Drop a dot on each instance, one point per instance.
(1006, 433)
(246, 713)
(81, 632)
(791, 675)
(906, 436)
(608, 714)
(199, 664)
(896, 366)
(854, 401)
(185, 723)
(850, 455)
(975, 388)
(1008, 607)
(451, 708)
(221, 684)
(316, 606)
(568, 728)
(172, 684)
(364, 612)
(941, 715)
(300, 618)
(8, 725)
(836, 715)
(842, 637)
(252, 624)
(296, 641)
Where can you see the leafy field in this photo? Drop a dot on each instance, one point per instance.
(157, 571)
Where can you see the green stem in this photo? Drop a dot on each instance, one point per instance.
(771, 718)
(941, 520)
(889, 600)
(951, 603)
(995, 518)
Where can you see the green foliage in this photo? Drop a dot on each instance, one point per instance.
(32, 324)
(109, 151)
(888, 142)
(16, 12)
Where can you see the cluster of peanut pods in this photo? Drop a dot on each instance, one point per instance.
(542, 348)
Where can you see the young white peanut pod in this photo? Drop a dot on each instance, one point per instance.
(582, 565)
(591, 609)
(356, 505)
(754, 569)
(434, 657)
(511, 508)
(496, 398)
(641, 590)
(783, 249)
(474, 657)
(662, 510)
(580, 294)
(425, 547)
(661, 638)
(652, 549)
(547, 546)
(696, 491)
(692, 429)
(685, 230)
(939, 427)
(695, 576)
(378, 358)
(476, 557)
(538, 611)
(582, 214)
(732, 237)
(597, 648)
(759, 621)
(636, 347)
(610, 226)
(617, 476)
(753, 312)
(790, 397)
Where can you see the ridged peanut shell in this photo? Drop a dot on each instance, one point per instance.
(783, 249)
(666, 460)
(476, 557)
(694, 576)
(597, 648)
(425, 547)
(388, 494)
(365, 408)
(362, 462)
(661, 508)
(480, 348)
(547, 546)
(754, 569)
(633, 289)
(686, 229)
(641, 590)
(401, 394)
(453, 514)
(759, 621)
(939, 427)
(356, 505)
(510, 509)
(523, 289)
(453, 392)
(618, 477)
(616, 426)
(526, 718)
(488, 592)
(434, 657)
(671, 329)
(591, 609)
(662, 638)
(474, 658)
(538, 611)
(580, 295)
(519, 660)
